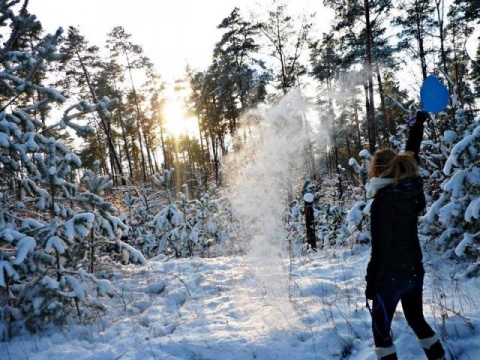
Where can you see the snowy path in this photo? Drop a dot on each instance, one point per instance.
(234, 311)
(231, 308)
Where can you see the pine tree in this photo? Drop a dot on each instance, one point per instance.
(81, 63)
(106, 227)
(240, 76)
(287, 37)
(132, 55)
(42, 233)
(369, 48)
(460, 28)
(453, 217)
(416, 21)
(208, 108)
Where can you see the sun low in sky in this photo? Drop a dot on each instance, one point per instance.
(177, 122)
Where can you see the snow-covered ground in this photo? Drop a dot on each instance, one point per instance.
(255, 307)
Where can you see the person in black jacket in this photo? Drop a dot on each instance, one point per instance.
(395, 272)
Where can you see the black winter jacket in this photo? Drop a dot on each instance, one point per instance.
(394, 217)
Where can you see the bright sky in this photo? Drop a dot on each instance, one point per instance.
(173, 33)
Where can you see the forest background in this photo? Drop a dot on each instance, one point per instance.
(133, 190)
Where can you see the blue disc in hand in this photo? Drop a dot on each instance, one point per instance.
(434, 95)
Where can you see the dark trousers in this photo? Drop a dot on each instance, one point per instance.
(407, 287)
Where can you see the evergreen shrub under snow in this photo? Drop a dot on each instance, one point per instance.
(45, 221)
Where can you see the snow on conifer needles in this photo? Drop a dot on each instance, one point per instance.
(43, 232)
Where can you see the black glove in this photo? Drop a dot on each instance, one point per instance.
(421, 116)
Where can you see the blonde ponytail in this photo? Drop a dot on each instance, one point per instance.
(387, 164)
(404, 167)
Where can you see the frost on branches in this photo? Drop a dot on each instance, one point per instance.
(107, 229)
(187, 227)
(454, 216)
(43, 228)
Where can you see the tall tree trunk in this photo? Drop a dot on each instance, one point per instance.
(387, 128)
(100, 146)
(108, 135)
(138, 118)
(370, 123)
(337, 168)
(111, 156)
(215, 160)
(357, 124)
(420, 32)
(369, 67)
(178, 170)
(440, 6)
(140, 149)
(205, 167)
(155, 163)
(126, 144)
(149, 155)
(310, 224)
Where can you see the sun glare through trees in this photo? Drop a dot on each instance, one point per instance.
(176, 121)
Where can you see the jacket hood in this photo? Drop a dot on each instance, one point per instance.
(375, 184)
(406, 188)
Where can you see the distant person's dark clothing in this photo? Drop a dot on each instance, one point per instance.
(395, 272)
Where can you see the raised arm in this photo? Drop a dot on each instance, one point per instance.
(415, 134)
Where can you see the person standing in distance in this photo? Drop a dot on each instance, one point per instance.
(395, 271)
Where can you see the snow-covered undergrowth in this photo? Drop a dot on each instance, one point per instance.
(240, 308)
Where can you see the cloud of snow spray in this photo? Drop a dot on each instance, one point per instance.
(263, 175)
